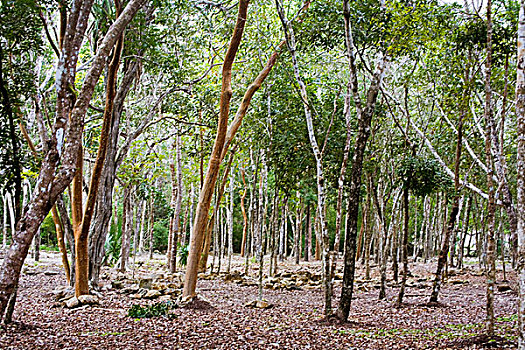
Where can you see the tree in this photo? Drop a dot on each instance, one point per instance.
(520, 123)
(64, 144)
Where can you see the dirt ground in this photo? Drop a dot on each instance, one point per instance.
(294, 322)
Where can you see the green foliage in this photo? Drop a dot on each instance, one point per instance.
(113, 242)
(48, 232)
(183, 251)
(155, 310)
(20, 41)
(422, 176)
(160, 235)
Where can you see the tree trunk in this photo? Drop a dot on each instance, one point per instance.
(298, 229)
(520, 124)
(230, 225)
(175, 227)
(464, 233)
(61, 243)
(364, 118)
(442, 260)
(127, 227)
(308, 236)
(489, 125)
(151, 224)
(244, 217)
(404, 248)
(321, 196)
(5, 227)
(211, 222)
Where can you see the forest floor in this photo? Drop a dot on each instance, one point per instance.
(295, 321)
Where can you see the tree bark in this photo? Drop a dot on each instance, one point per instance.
(520, 124)
(364, 118)
(244, 217)
(321, 195)
(203, 207)
(61, 243)
(456, 204)
(491, 211)
(127, 228)
(53, 180)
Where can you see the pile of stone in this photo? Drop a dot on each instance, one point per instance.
(65, 297)
(155, 286)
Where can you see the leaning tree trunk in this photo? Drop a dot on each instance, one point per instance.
(64, 145)
(203, 207)
(442, 260)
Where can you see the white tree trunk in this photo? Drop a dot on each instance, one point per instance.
(321, 199)
(229, 214)
(5, 225)
(520, 113)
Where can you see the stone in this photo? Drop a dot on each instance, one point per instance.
(71, 303)
(236, 276)
(258, 304)
(130, 289)
(30, 272)
(117, 284)
(165, 298)
(152, 294)
(504, 288)
(458, 282)
(146, 282)
(284, 274)
(64, 292)
(171, 291)
(88, 300)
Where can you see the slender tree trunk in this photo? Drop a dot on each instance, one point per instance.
(68, 232)
(464, 233)
(177, 208)
(207, 240)
(230, 225)
(61, 243)
(364, 118)
(151, 224)
(5, 227)
(244, 216)
(224, 138)
(143, 225)
(127, 227)
(308, 236)
(321, 196)
(442, 260)
(298, 229)
(491, 259)
(404, 248)
(520, 124)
